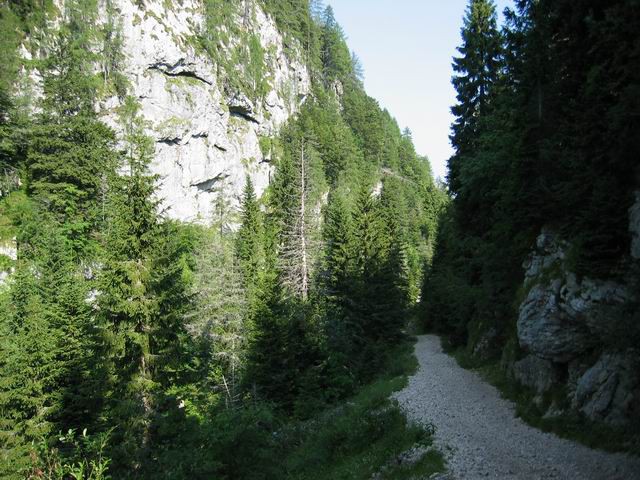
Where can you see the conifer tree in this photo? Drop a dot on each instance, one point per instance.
(317, 8)
(8, 149)
(127, 303)
(249, 242)
(47, 363)
(70, 152)
(292, 191)
(336, 58)
(172, 264)
(28, 373)
(337, 277)
(367, 228)
(476, 71)
(219, 320)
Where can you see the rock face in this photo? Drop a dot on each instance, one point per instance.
(206, 138)
(536, 373)
(610, 389)
(634, 227)
(207, 133)
(563, 325)
(8, 250)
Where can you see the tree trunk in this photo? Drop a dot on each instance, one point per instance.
(303, 233)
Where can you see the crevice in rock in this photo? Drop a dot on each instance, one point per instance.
(220, 147)
(167, 70)
(169, 141)
(207, 185)
(242, 112)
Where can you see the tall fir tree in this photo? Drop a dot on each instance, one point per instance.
(250, 248)
(127, 302)
(337, 276)
(477, 71)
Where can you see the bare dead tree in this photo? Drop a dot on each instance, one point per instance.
(296, 246)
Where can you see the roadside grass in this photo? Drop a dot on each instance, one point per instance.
(362, 436)
(570, 426)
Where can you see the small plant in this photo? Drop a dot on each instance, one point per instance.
(70, 457)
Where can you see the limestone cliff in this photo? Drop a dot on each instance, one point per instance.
(209, 134)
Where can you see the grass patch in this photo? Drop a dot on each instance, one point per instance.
(361, 436)
(570, 426)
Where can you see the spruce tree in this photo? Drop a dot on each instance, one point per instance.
(28, 374)
(48, 351)
(127, 302)
(70, 152)
(250, 241)
(337, 278)
(477, 71)
(291, 201)
(336, 58)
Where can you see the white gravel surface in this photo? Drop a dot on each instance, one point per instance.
(479, 434)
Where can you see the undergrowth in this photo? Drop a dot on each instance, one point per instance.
(362, 435)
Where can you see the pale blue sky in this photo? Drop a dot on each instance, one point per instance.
(406, 47)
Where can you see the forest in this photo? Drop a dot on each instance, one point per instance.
(135, 346)
(265, 342)
(546, 157)
(545, 136)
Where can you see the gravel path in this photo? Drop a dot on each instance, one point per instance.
(481, 437)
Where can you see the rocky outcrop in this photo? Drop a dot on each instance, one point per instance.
(634, 227)
(206, 130)
(8, 250)
(564, 326)
(204, 133)
(536, 373)
(610, 389)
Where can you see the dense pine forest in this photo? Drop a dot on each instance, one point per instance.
(135, 346)
(536, 268)
(263, 340)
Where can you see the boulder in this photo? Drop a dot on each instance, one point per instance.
(634, 226)
(547, 331)
(536, 373)
(609, 391)
(9, 249)
(549, 250)
(562, 317)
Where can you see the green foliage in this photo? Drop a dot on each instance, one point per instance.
(69, 83)
(220, 315)
(477, 71)
(250, 240)
(192, 352)
(127, 302)
(293, 19)
(88, 461)
(231, 47)
(112, 57)
(359, 437)
(549, 148)
(46, 370)
(66, 162)
(335, 55)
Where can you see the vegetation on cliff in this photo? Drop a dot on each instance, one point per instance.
(137, 347)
